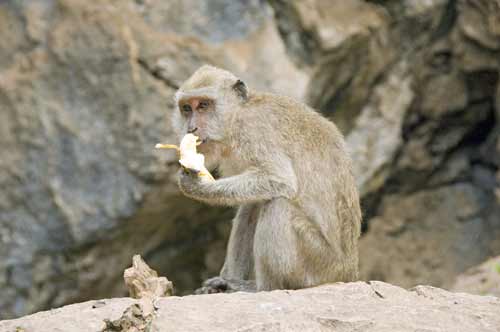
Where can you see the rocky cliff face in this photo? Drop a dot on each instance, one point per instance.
(86, 91)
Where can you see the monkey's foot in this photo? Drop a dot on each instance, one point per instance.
(221, 285)
(213, 285)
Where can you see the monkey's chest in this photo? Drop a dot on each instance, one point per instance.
(231, 166)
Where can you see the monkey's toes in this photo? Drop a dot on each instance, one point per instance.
(213, 285)
(190, 171)
(218, 283)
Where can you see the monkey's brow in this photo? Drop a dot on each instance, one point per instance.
(209, 93)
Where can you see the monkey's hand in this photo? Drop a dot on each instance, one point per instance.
(253, 185)
(190, 182)
(222, 285)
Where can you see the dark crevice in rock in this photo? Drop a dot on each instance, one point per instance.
(156, 72)
(375, 291)
(437, 186)
(341, 94)
(447, 21)
(302, 44)
(481, 85)
(332, 109)
(372, 201)
(412, 121)
(474, 125)
(480, 132)
(369, 208)
(479, 46)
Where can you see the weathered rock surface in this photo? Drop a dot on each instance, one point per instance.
(482, 280)
(86, 91)
(360, 306)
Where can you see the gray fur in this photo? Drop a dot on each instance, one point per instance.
(288, 170)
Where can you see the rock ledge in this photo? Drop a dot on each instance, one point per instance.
(359, 306)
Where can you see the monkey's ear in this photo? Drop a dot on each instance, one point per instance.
(241, 89)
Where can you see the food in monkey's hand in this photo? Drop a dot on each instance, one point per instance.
(189, 158)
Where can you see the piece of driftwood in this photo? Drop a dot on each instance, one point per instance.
(143, 282)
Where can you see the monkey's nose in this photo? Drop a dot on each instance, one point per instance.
(194, 104)
(192, 131)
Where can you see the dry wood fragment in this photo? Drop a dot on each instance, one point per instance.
(143, 282)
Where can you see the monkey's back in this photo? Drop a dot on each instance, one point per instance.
(311, 140)
(327, 191)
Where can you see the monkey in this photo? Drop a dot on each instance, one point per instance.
(287, 170)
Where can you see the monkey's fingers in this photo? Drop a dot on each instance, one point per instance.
(190, 171)
(202, 174)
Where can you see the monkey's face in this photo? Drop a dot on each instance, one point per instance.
(199, 116)
(207, 104)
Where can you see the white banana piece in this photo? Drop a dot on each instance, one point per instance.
(189, 158)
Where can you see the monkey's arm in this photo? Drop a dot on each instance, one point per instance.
(253, 185)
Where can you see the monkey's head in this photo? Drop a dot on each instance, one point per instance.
(205, 104)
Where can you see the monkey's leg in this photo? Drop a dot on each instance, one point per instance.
(286, 248)
(239, 257)
(238, 267)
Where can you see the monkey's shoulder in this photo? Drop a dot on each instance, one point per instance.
(276, 116)
(274, 106)
(284, 106)
(271, 100)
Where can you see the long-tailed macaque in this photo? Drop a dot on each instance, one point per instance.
(286, 169)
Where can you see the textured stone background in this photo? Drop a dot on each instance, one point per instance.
(86, 91)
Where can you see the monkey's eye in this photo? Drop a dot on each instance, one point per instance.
(186, 108)
(203, 105)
